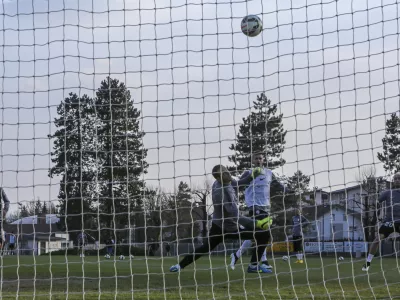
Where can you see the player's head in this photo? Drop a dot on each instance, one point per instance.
(258, 159)
(221, 174)
(396, 180)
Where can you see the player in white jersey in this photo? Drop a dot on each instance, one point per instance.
(257, 198)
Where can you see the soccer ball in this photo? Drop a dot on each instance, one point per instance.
(341, 258)
(121, 257)
(107, 256)
(285, 258)
(251, 25)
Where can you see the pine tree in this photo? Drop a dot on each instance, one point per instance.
(74, 148)
(38, 207)
(261, 132)
(298, 188)
(299, 183)
(23, 211)
(44, 209)
(390, 156)
(120, 152)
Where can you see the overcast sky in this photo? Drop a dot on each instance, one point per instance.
(332, 68)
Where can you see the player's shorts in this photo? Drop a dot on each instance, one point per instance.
(81, 245)
(11, 246)
(258, 214)
(297, 243)
(387, 228)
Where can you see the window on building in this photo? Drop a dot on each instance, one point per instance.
(345, 217)
(64, 245)
(353, 228)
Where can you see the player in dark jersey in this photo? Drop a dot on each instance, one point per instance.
(390, 200)
(298, 222)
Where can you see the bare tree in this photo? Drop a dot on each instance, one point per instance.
(200, 196)
(13, 216)
(372, 186)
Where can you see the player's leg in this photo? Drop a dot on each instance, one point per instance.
(261, 214)
(261, 238)
(384, 231)
(297, 247)
(214, 238)
(264, 260)
(236, 255)
(301, 250)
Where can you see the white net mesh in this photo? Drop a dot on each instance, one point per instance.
(113, 114)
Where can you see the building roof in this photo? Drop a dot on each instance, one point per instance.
(50, 219)
(357, 186)
(50, 238)
(30, 229)
(316, 212)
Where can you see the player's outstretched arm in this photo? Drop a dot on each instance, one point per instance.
(246, 178)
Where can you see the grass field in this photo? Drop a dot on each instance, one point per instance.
(141, 279)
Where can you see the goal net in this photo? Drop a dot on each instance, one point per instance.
(114, 114)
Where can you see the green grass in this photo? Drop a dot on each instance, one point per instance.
(141, 279)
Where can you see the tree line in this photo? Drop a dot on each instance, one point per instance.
(99, 155)
(32, 208)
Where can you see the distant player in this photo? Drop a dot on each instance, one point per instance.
(298, 222)
(257, 198)
(82, 242)
(226, 222)
(110, 246)
(168, 249)
(390, 200)
(11, 245)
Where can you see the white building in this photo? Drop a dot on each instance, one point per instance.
(339, 214)
(38, 234)
(333, 222)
